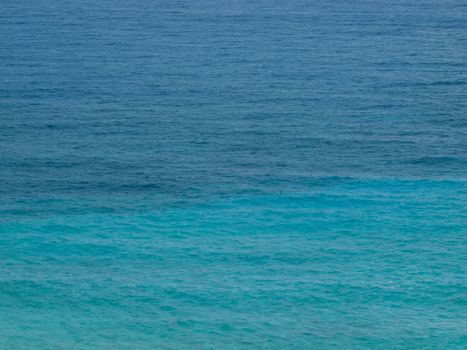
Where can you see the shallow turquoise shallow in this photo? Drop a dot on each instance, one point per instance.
(233, 175)
(360, 264)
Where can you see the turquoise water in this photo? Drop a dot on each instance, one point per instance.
(233, 175)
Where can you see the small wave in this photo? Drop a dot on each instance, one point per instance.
(432, 160)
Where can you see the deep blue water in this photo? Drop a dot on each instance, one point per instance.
(233, 174)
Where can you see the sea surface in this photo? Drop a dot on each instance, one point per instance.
(233, 174)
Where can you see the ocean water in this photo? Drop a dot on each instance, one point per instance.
(233, 174)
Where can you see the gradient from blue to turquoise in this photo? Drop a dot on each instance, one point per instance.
(233, 175)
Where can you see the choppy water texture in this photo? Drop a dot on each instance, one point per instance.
(233, 174)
